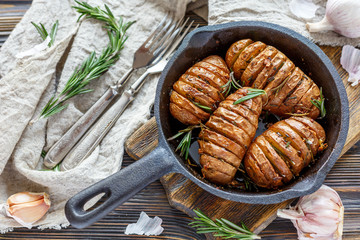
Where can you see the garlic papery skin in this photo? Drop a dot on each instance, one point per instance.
(27, 207)
(305, 9)
(317, 216)
(350, 61)
(341, 16)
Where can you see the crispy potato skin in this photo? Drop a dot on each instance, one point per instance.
(227, 136)
(262, 66)
(282, 151)
(199, 86)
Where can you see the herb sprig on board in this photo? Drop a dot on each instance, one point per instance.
(44, 33)
(320, 104)
(221, 227)
(93, 67)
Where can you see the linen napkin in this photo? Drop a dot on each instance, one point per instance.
(274, 11)
(27, 84)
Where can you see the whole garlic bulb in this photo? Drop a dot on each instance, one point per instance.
(317, 216)
(27, 207)
(342, 16)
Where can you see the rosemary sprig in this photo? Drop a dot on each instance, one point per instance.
(252, 93)
(320, 104)
(232, 83)
(44, 33)
(221, 227)
(185, 142)
(93, 67)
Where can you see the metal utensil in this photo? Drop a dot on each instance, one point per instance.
(97, 132)
(150, 50)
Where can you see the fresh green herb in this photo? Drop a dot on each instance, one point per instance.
(287, 144)
(221, 227)
(232, 83)
(93, 67)
(206, 108)
(44, 34)
(185, 142)
(320, 104)
(252, 93)
(43, 153)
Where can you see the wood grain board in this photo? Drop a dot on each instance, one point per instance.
(344, 178)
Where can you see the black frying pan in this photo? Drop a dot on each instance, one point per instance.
(198, 44)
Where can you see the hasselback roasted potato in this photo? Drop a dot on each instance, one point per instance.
(258, 65)
(198, 90)
(281, 152)
(227, 135)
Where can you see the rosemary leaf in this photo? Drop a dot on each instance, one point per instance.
(93, 67)
(231, 84)
(221, 227)
(44, 33)
(252, 93)
(320, 104)
(185, 142)
(206, 108)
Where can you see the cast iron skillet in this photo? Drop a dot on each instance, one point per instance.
(197, 45)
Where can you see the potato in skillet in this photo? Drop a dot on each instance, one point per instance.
(198, 90)
(227, 135)
(262, 66)
(281, 152)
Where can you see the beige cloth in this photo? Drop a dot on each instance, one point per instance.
(274, 11)
(26, 85)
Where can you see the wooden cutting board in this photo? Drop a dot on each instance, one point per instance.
(185, 196)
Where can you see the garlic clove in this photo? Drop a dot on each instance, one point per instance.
(350, 61)
(27, 208)
(342, 16)
(317, 216)
(22, 197)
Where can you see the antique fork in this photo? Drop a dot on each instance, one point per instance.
(148, 52)
(97, 132)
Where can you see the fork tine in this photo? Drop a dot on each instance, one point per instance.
(173, 43)
(157, 30)
(179, 39)
(159, 54)
(167, 24)
(163, 35)
(170, 34)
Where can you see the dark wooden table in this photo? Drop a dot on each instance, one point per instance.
(153, 199)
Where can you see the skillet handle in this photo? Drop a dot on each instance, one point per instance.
(119, 187)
